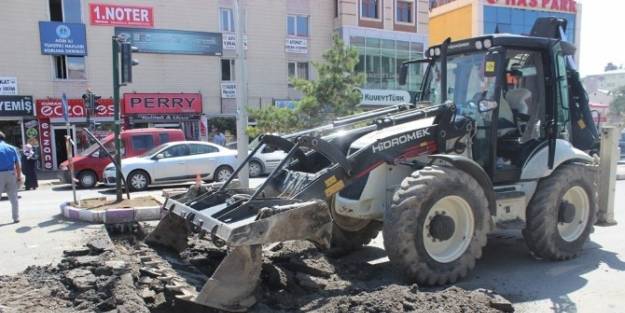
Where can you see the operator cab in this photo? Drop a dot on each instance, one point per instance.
(518, 91)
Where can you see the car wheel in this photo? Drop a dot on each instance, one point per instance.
(87, 179)
(256, 169)
(138, 180)
(222, 173)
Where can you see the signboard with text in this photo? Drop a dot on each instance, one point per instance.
(45, 144)
(53, 108)
(58, 38)
(8, 86)
(553, 5)
(169, 41)
(121, 15)
(16, 106)
(384, 97)
(289, 104)
(296, 45)
(162, 103)
(228, 90)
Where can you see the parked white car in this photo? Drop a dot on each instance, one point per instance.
(175, 162)
(265, 160)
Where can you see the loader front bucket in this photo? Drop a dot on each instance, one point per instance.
(244, 227)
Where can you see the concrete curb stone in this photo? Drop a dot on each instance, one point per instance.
(112, 215)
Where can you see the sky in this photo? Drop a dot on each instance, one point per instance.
(603, 35)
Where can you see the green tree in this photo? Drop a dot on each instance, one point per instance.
(334, 91)
(272, 119)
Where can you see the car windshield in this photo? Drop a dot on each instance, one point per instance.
(466, 82)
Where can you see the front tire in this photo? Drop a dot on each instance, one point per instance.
(87, 179)
(561, 215)
(437, 225)
(138, 180)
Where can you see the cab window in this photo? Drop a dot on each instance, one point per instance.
(176, 151)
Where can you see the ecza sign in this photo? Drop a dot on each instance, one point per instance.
(63, 38)
(46, 144)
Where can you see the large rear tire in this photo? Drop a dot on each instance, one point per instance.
(561, 215)
(437, 226)
(350, 234)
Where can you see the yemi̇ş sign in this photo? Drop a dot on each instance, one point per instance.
(554, 5)
(384, 97)
(123, 15)
(16, 105)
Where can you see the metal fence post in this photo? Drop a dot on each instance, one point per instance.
(607, 174)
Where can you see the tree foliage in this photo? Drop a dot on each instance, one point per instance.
(334, 93)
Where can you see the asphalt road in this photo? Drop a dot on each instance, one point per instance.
(593, 282)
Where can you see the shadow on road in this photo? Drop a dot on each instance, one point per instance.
(6, 224)
(508, 268)
(58, 220)
(23, 229)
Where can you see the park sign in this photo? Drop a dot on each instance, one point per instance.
(169, 41)
(58, 38)
(569, 6)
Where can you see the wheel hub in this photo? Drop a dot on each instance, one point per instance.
(442, 227)
(566, 213)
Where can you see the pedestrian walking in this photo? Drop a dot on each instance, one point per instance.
(29, 164)
(218, 138)
(10, 174)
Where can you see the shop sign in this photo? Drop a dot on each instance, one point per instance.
(553, 5)
(58, 38)
(8, 86)
(162, 103)
(228, 90)
(122, 15)
(16, 106)
(384, 97)
(53, 108)
(296, 45)
(45, 144)
(289, 104)
(162, 117)
(169, 41)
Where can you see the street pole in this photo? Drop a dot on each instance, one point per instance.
(70, 156)
(241, 79)
(117, 119)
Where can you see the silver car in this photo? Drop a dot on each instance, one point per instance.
(175, 162)
(264, 161)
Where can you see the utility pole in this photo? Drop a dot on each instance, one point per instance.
(241, 79)
(117, 119)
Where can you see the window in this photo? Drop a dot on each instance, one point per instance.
(176, 151)
(202, 149)
(298, 70)
(336, 8)
(227, 70)
(226, 22)
(404, 12)
(297, 25)
(369, 9)
(67, 67)
(163, 138)
(142, 142)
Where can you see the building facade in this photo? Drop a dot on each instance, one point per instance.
(187, 52)
(461, 19)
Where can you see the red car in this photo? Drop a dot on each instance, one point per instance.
(89, 165)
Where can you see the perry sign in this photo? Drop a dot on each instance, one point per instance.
(53, 108)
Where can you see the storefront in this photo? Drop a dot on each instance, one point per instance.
(16, 115)
(53, 128)
(164, 110)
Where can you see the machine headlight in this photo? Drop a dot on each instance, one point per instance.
(488, 43)
(437, 51)
(478, 45)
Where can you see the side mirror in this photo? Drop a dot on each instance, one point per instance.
(487, 105)
(403, 73)
(159, 156)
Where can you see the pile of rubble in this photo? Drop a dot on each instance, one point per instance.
(128, 276)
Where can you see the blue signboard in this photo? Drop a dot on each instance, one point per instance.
(63, 38)
(172, 41)
(289, 104)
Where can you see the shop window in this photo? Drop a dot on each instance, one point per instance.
(142, 142)
(298, 70)
(297, 25)
(404, 12)
(227, 70)
(226, 21)
(202, 149)
(370, 9)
